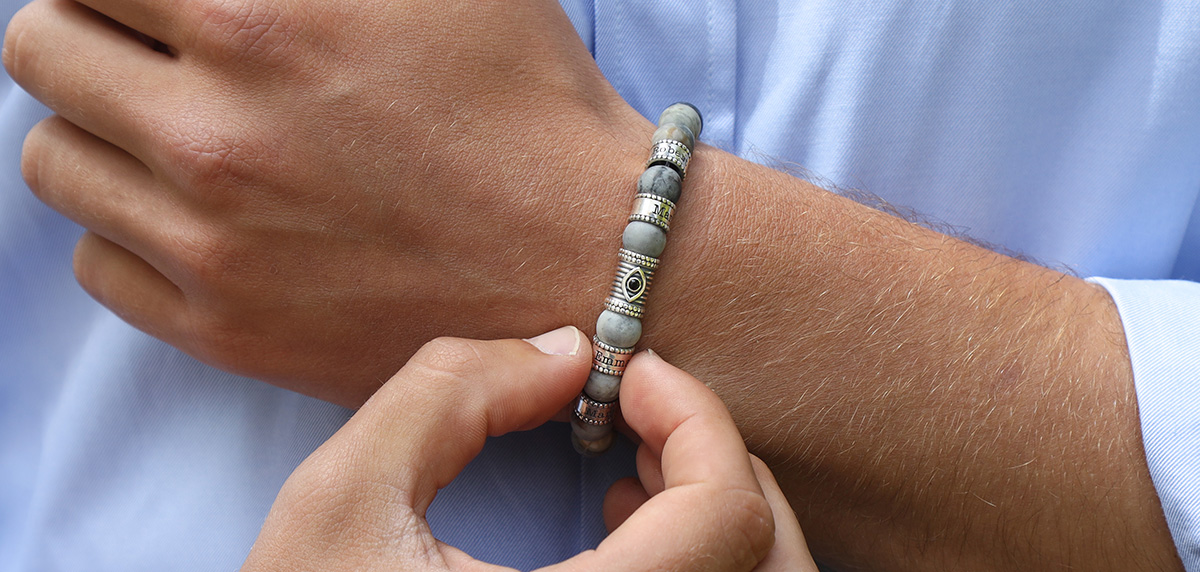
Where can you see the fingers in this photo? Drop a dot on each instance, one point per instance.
(87, 69)
(97, 185)
(626, 495)
(130, 287)
(712, 514)
(790, 553)
(156, 19)
(419, 431)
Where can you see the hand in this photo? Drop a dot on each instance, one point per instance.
(305, 190)
(358, 502)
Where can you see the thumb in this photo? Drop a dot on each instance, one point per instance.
(709, 511)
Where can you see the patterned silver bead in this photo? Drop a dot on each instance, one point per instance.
(648, 262)
(609, 359)
(631, 286)
(620, 307)
(673, 153)
(593, 412)
(653, 209)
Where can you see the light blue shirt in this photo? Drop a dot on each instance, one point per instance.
(1069, 132)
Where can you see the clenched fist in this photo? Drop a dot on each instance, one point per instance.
(304, 190)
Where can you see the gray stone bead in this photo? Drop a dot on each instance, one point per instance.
(618, 329)
(684, 114)
(675, 132)
(589, 432)
(591, 448)
(602, 386)
(644, 238)
(662, 181)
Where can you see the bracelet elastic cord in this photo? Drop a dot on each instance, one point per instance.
(620, 324)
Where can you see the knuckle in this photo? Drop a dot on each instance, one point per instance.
(342, 509)
(749, 514)
(207, 259)
(454, 358)
(257, 29)
(223, 342)
(215, 161)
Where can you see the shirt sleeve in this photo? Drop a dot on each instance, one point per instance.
(1162, 327)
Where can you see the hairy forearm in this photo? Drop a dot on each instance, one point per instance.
(927, 403)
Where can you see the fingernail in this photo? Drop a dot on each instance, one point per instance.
(564, 341)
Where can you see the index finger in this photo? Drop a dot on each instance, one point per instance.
(154, 18)
(423, 427)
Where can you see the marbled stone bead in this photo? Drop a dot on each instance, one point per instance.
(589, 432)
(662, 181)
(602, 386)
(590, 447)
(684, 114)
(618, 330)
(644, 238)
(675, 132)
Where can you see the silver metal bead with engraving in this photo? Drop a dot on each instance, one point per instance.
(631, 286)
(669, 152)
(593, 412)
(653, 209)
(609, 359)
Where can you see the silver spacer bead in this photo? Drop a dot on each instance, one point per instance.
(609, 359)
(669, 152)
(647, 262)
(627, 309)
(652, 209)
(593, 412)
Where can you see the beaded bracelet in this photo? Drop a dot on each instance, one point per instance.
(620, 326)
